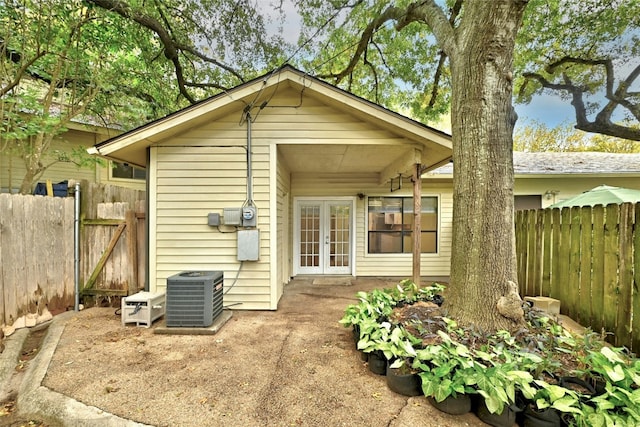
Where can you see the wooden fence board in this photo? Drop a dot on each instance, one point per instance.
(556, 261)
(5, 264)
(563, 283)
(625, 275)
(520, 253)
(132, 250)
(612, 215)
(585, 298)
(9, 258)
(546, 261)
(531, 249)
(573, 284)
(68, 284)
(28, 259)
(597, 284)
(537, 265)
(635, 326)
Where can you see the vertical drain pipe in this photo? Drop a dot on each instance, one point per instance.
(76, 247)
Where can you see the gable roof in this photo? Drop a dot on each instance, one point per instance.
(131, 146)
(567, 163)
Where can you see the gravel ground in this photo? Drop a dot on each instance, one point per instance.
(293, 367)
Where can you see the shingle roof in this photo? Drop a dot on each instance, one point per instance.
(568, 163)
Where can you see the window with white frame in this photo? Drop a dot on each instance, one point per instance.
(390, 221)
(127, 171)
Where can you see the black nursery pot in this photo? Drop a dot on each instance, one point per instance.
(356, 334)
(548, 417)
(406, 384)
(377, 362)
(459, 405)
(580, 385)
(507, 418)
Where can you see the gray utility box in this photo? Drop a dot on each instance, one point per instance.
(249, 245)
(142, 308)
(194, 298)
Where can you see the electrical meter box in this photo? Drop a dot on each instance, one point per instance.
(249, 216)
(249, 245)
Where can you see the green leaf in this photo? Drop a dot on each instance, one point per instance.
(555, 392)
(611, 355)
(542, 403)
(566, 404)
(408, 348)
(397, 363)
(615, 374)
(493, 404)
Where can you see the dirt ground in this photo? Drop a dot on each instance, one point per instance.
(292, 367)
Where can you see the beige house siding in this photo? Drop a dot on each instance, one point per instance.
(566, 186)
(193, 178)
(12, 168)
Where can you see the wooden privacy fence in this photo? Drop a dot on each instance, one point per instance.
(36, 257)
(37, 249)
(589, 259)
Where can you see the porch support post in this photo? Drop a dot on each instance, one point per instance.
(417, 226)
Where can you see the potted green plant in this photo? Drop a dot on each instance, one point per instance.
(616, 402)
(399, 349)
(446, 372)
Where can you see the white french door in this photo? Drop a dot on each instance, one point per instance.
(324, 237)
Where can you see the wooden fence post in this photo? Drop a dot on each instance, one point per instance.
(132, 250)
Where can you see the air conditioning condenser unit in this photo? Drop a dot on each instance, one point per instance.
(194, 298)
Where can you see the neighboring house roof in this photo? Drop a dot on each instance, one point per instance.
(432, 147)
(555, 163)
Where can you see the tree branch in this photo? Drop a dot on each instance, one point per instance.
(20, 72)
(430, 13)
(618, 97)
(172, 47)
(390, 14)
(443, 57)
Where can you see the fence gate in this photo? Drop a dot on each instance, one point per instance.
(113, 250)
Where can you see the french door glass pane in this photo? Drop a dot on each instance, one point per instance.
(339, 236)
(309, 236)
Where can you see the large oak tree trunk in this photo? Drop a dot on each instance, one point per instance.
(483, 261)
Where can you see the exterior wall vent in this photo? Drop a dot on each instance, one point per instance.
(194, 298)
